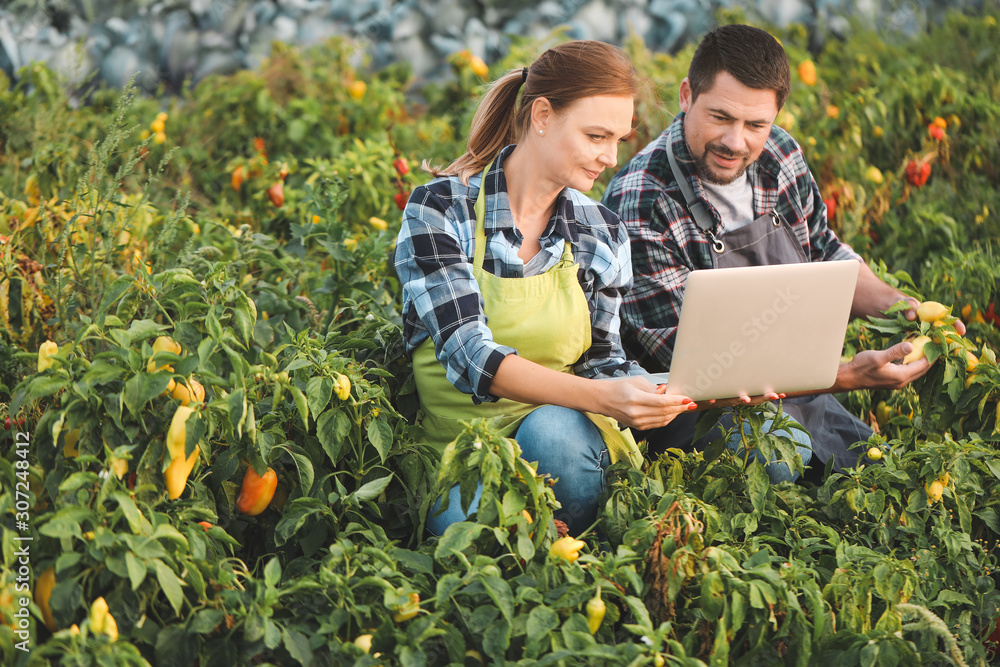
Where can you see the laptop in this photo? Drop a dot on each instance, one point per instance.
(759, 329)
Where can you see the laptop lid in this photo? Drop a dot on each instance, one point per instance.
(751, 330)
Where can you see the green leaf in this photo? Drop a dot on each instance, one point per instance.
(296, 513)
(331, 429)
(499, 591)
(206, 620)
(45, 385)
(525, 547)
(143, 329)
(136, 570)
(319, 390)
(496, 639)
(303, 464)
(297, 645)
(244, 317)
(176, 648)
(61, 527)
(236, 403)
(758, 484)
(170, 584)
(640, 612)
(142, 388)
(272, 573)
(371, 490)
(380, 435)
(302, 405)
(102, 372)
(541, 621)
(457, 538)
(113, 292)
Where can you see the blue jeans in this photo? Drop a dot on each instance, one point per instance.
(567, 446)
(777, 471)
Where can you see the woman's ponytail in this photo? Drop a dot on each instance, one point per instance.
(493, 127)
(562, 75)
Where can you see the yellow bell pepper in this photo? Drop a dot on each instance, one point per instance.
(595, 611)
(70, 450)
(567, 548)
(342, 387)
(409, 610)
(101, 620)
(179, 468)
(45, 353)
(43, 591)
(98, 614)
(163, 344)
(193, 392)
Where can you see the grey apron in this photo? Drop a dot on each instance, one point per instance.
(765, 241)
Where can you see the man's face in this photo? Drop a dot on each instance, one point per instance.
(727, 126)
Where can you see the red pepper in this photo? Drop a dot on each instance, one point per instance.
(401, 198)
(276, 193)
(256, 492)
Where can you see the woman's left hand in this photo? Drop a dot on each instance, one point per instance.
(636, 402)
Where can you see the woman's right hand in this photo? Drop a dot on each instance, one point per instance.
(637, 402)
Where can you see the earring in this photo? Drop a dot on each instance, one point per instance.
(541, 132)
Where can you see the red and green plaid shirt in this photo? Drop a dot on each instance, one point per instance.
(667, 244)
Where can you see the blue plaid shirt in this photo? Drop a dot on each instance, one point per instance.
(441, 298)
(667, 243)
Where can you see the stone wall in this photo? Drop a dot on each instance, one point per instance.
(172, 41)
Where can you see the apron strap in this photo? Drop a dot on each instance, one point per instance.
(480, 208)
(695, 205)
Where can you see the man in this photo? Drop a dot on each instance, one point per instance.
(712, 208)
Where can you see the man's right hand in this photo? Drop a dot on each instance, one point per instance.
(875, 369)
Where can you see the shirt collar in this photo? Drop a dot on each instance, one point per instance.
(498, 216)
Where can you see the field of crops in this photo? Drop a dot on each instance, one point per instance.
(209, 416)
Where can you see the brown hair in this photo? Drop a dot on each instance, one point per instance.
(751, 55)
(562, 75)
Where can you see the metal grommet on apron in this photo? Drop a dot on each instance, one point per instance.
(545, 318)
(768, 240)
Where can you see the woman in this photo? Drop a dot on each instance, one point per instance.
(512, 279)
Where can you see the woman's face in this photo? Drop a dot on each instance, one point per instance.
(581, 140)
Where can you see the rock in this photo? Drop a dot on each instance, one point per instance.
(635, 20)
(447, 15)
(359, 9)
(316, 30)
(53, 37)
(259, 46)
(476, 35)
(445, 45)
(10, 58)
(409, 24)
(97, 44)
(550, 11)
(181, 50)
(118, 28)
(413, 50)
(285, 29)
(214, 39)
(121, 64)
(72, 63)
(784, 12)
(218, 61)
(600, 18)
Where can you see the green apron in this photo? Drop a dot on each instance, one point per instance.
(544, 317)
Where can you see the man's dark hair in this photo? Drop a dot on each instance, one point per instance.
(751, 55)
